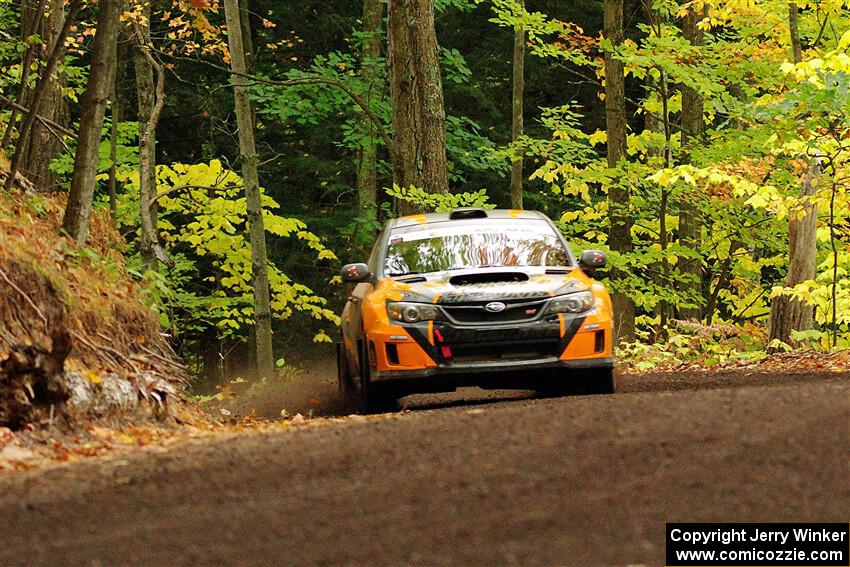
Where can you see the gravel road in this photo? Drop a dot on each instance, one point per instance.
(459, 480)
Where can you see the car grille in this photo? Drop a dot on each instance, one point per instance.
(524, 351)
(476, 313)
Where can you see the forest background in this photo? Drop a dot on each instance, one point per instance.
(703, 145)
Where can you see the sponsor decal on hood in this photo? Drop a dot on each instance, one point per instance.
(536, 284)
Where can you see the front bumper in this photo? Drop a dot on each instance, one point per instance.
(446, 355)
(493, 367)
(514, 375)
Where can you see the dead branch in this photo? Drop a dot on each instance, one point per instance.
(25, 184)
(190, 187)
(25, 296)
(163, 359)
(46, 122)
(99, 350)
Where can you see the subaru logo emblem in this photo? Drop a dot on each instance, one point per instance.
(495, 307)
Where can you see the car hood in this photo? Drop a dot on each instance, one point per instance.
(485, 284)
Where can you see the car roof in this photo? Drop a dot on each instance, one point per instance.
(467, 215)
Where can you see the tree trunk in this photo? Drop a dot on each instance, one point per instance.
(147, 99)
(788, 314)
(43, 145)
(620, 235)
(419, 119)
(367, 172)
(247, 37)
(248, 154)
(516, 110)
(118, 103)
(690, 223)
(57, 52)
(93, 104)
(663, 308)
(31, 23)
(248, 47)
(722, 281)
(794, 32)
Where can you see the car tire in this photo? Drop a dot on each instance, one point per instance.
(589, 382)
(598, 381)
(373, 397)
(343, 372)
(349, 394)
(555, 384)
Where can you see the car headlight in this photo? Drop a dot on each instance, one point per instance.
(413, 312)
(572, 303)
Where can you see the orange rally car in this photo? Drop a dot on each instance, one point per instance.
(492, 298)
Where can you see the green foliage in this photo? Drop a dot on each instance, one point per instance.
(439, 202)
(126, 154)
(454, 66)
(741, 180)
(202, 222)
(441, 6)
(468, 151)
(319, 106)
(547, 37)
(696, 345)
(766, 119)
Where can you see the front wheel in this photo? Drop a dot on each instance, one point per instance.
(348, 393)
(581, 382)
(343, 376)
(373, 397)
(598, 381)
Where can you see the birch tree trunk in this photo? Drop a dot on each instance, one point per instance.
(517, 109)
(98, 90)
(419, 119)
(620, 235)
(248, 156)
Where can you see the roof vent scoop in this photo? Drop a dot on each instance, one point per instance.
(468, 213)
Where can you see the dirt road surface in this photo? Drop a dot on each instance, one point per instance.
(459, 480)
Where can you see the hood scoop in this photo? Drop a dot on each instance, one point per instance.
(412, 279)
(488, 277)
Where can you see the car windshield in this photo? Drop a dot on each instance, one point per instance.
(454, 246)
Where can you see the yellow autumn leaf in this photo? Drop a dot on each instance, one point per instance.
(322, 337)
(598, 137)
(92, 376)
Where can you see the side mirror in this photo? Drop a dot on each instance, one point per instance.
(355, 273)
(592, 260)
